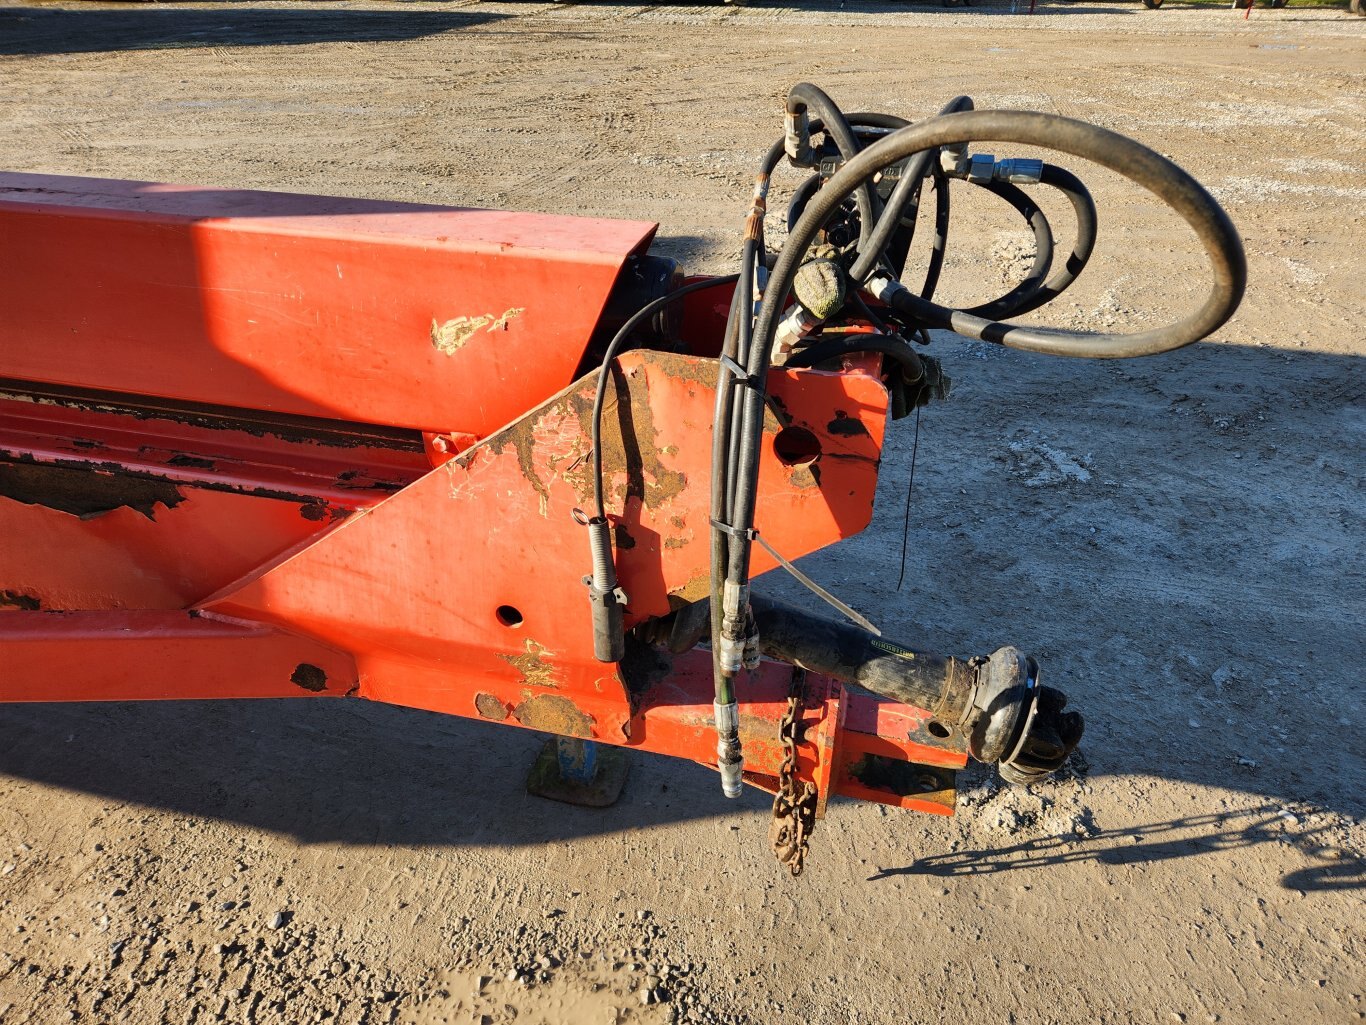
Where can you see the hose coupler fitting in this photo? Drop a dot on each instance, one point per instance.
(819, 290)
(736, 619)
(797, 137)
(729, 759)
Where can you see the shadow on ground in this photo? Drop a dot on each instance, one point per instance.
(1247, 624)
(46, 30)
(1190, 836)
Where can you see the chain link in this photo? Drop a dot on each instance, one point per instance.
(794, 805)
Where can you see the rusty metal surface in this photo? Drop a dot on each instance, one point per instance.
(111, 506)
(478, 564)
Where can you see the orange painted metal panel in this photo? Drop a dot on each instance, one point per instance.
(300, 304)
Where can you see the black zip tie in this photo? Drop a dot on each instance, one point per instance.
(816, 589)
(741, 375)
(811, 585)
(740, 532)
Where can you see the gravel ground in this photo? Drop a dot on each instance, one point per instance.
(1179, 540)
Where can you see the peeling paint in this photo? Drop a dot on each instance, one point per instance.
(86, 492)
(845, 425)
(450, 337)
(490, 707)
(19, 600)
(552, 713)
(534, 665)
(309, 677)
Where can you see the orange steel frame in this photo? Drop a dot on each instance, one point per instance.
(263, 445)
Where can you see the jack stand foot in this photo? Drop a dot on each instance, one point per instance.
(578, 772)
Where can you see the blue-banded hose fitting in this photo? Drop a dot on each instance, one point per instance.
(608, 599)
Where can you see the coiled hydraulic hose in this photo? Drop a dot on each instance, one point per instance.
(739, 415)
(1134, 161)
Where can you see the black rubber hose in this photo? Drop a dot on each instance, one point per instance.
(1084, 208)
(935, 267)
(1134, 161)
(640, 316)
(800, 198)
(720, 492)
(833, 348)
(804, 96)
(1014, 300)
(907, 190)
(744, 311)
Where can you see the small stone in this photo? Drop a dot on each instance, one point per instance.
(642, 915)
(645, 995)
(6, 870)
(336, 968)
(279, 919)
(513, 975)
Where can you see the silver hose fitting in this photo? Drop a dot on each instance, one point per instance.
(797, 138)
(728, 758)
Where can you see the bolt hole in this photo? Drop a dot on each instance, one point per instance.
(509, 615)
(796, 446)
(938, 729)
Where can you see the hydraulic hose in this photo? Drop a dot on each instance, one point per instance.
(803, 97)
(619, 339)
(1134, 161)
(606, 597)
(833, 348)
(1013, 300)
(1084, 208)
(885, 234)
(942, 209)
(1131, 159)
(906, 191)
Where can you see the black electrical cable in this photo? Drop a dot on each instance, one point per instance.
(906, 516)
(640, 316)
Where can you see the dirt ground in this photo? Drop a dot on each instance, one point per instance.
(1179, 540)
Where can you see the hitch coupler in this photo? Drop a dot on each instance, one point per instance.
(994, 703)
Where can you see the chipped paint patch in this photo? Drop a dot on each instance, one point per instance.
(490, 707)
(309, 677)
(534, 665)
(551, 713)
(450, 337)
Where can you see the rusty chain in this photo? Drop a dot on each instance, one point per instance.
(794, 805)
